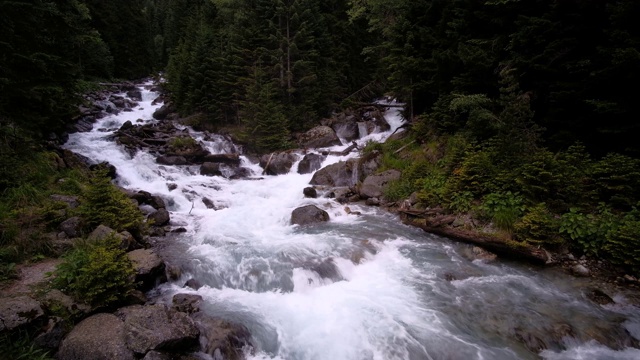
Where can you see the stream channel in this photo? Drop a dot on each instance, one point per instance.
(356, 287)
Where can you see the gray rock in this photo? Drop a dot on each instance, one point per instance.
(211, 169)
(193, 283)
(72, 227)
(208, 203)
(163, 112)
(18, 311)
(347, 129)
(171, 160)
(220, 338)
(157, 202)
(599, 297)
(278, 164)
(159, 217)
(478, 253)
(187, 303)
(148, 266)
(310, 192)
(373, 201)
(318, 137)
(338, 174)
(99, 337)
(309, 214)
(126, 126)
(310, 163)
(71, 201)
(100, 233)
(580, 270)
(229, 159)
(374, 185)
(135, 95)
(157, 327)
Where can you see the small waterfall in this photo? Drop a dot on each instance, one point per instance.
(362, 129)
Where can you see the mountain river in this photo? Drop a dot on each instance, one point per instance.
(356, 287)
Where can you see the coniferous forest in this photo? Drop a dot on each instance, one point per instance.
(523, 112)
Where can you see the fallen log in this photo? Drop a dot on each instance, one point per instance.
(506, 248)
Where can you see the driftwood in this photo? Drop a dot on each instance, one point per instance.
(267, 166)
(404, 147)
(136, 140)
(506, 248)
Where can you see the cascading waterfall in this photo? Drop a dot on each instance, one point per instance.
(357, 287)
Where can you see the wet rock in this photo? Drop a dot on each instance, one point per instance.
(310, 163)
(193, 283)
(599, 297)
(220, 338)
(347, 128)
(135, 95)
(310, 192)
(135, 297)
(338, 174)
(71, 201)
(157, 202)
(307, 215)
(157, 327)
(211, 169)
(374, 201)
(478, 253)
(56, 298)
(72, 227)
(208, 203)
(19, 311)
(173, 271)
(160, 217)
(319, 137)
(171, 160)
(229, 159)
(85, 124)
(278, 164)
(163, 112)
(187, 303)
(99, 337)
(100, 233)
(172, 186)
(374, 185)
(580, 270)
(148, 266)
(126, 126)
(240, 173)
(450, 277)
(128, 242)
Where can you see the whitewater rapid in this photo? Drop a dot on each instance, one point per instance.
(357, 287)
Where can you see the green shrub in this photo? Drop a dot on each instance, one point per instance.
(182, 143)
(460, 202)
(432, 189)
(504, 209)
(99, 274)
(623, 243)
(19, 346)
(107, 205)
(398, 190)
(538, 226)
(589, 231)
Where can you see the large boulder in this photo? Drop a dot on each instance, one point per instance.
(71, 201)
(211, 169)
(347, 128)
(309, 214)
(338, 174)
(72, 227)
(310, 163)
(163, 112)
(220, 338)
(319, 137)
(148, 266)
(278, 163)
(18, 311)
(135, 94)
(373, 186)
(99, 337)
(160, 217)
(229, 159)
(100, 233)
(157, 327)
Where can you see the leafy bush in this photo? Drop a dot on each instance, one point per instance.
(504, 209)
(460, 202)
(105, 204)
(623, 243)
(398, 190)
(99, 273)
(432, 189)
(588, 231)
(182, 143)
(538, 226)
